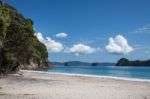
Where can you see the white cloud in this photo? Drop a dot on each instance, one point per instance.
(143, 30)
(61, 35)
(52, 45)
(118, 45)
(79, 49)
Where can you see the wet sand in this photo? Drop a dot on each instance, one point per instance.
(36, 85)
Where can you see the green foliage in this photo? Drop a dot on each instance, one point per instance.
(126, 62)
(4, 21)
(17, 37)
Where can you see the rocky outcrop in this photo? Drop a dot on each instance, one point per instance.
(35, 64)
(19, 47)
(126, 62)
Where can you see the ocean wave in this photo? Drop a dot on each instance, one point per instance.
(95, 76)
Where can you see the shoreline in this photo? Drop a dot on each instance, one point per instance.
(41, 85)
(93, 76)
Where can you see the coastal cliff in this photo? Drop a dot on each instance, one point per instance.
(19, 47)
(126, 62)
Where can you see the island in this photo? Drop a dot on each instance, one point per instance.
(79, 63)
(126, 62)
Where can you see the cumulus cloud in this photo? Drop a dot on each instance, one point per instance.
(118, 45)
(52, 45)
(79, 49)
(61, 35)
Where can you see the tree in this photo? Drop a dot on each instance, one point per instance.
(18, 43)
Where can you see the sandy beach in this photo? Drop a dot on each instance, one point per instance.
(34, 85)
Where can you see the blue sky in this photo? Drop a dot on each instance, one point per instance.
(90, 23)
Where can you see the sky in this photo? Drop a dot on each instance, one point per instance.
(90, 30)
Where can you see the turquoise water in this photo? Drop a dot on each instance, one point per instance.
(113, 71)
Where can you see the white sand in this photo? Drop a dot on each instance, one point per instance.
(33, 85)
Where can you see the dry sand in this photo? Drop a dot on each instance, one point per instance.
(33, 85)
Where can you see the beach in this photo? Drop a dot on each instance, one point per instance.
(38, 85)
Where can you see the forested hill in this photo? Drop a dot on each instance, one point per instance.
(18, 44)
(126, 62)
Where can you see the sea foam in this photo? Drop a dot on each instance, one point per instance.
(95, 76)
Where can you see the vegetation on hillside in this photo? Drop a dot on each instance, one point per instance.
(126, 62)
(18, 44)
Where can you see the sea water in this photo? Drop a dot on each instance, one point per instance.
(139, 72)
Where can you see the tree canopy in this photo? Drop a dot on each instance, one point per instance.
(17, 39)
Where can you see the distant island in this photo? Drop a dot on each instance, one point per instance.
(126, 62)
(79, 63)
(21, 49)
(121, 62)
